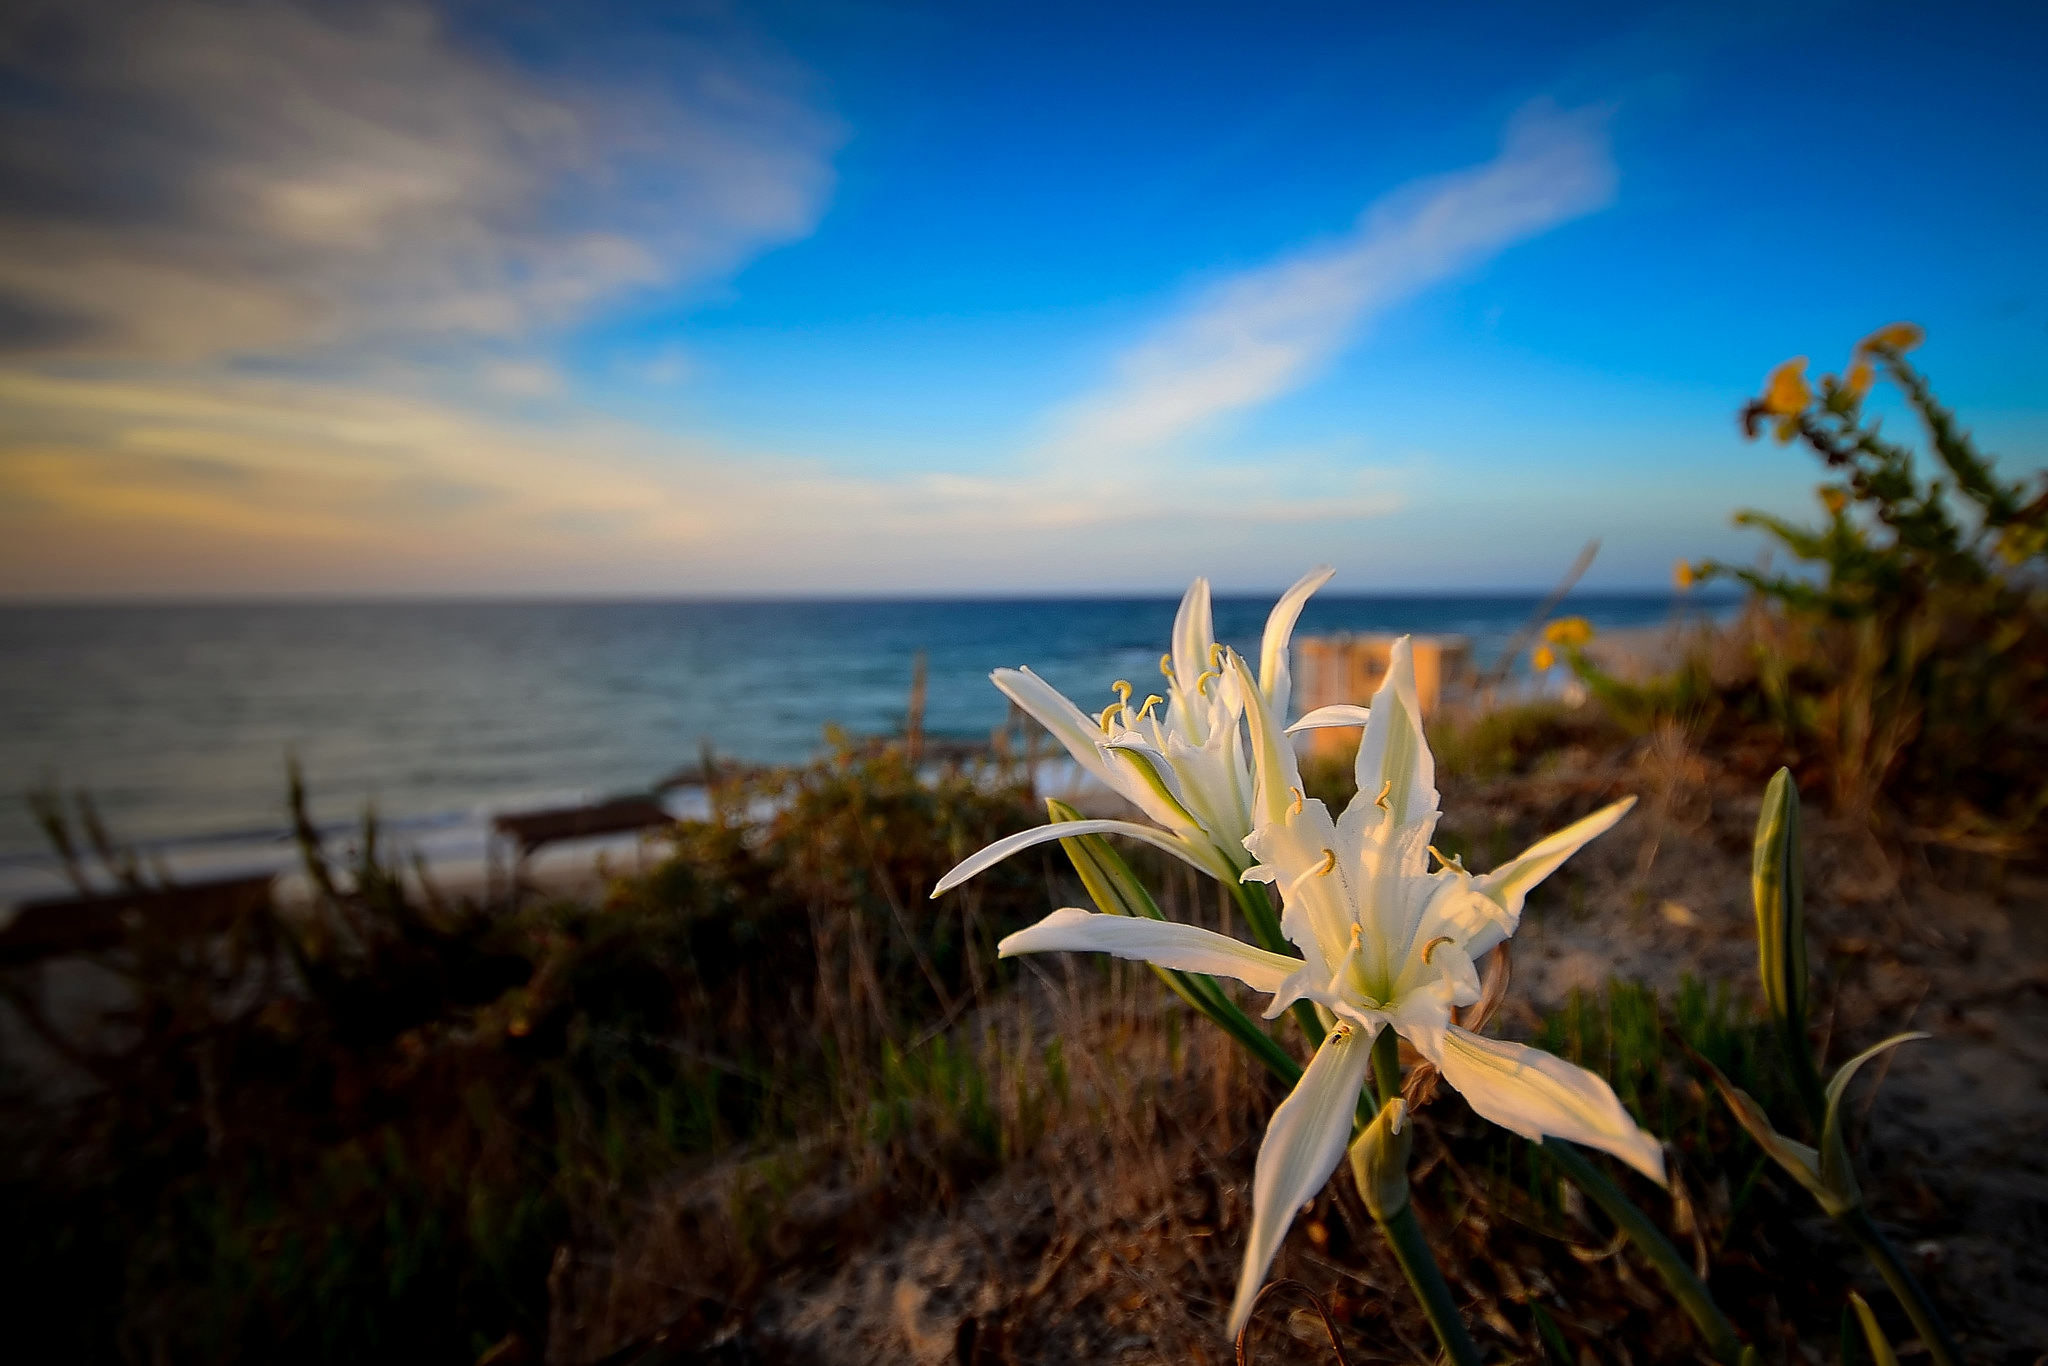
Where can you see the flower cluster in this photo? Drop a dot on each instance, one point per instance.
(1381, 932)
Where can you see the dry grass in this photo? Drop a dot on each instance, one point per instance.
(1110, 1228)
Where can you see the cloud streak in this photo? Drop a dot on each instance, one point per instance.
(237, 484)
(188, 179)
(1268, 331)
(330, 185)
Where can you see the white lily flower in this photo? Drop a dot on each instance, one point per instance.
(1180, 758)
(1385, 943)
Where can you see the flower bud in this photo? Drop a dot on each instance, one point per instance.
(1777, 885)
(1379, 1160)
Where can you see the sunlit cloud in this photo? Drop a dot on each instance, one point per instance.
(245, 485)
(192, 178)
(1267, 331)
(395, 225)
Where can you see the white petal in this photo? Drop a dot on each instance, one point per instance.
(1475, 922)
(1538, 1095)
(1194, 639)
(1276, 775)
(1149, 781)
(1393, 756)
(1509, 885)
(995, 853)
(1049, 707)
(1317, 909)
(1153, 941)
(1336, 714)
(1274, 680)
(1304, 1144)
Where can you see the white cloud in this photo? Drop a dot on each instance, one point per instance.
(358, 216)
(1267, 331)
(235, 484)
(203, 178)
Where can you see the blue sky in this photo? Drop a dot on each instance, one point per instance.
(849, 298)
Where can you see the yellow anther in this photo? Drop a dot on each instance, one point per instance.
(1202, 683)
(1386, 790)
(1166, 666)
(1297, 799)
(1442, 862)
(1111, 710)
(1357, 933)
(1122, 689)
(1215, 655)
(1430, 947)
(1329, 863)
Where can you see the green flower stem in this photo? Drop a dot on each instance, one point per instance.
(1911, 1297)
(1404, 1231)
(1698, 1304)
(1251, 899)
(1257, 905)
(1411, 1250)
(1116, 890)
(1386, 1067)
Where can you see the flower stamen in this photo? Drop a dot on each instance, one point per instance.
(1321, 869)
(1296, 808)
(1386, 790)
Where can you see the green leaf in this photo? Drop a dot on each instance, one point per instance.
(1836, 1171)
(1880, 1350)
(1116, 890)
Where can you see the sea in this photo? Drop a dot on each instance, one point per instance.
(179, 721)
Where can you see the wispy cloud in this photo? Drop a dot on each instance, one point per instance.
(327, 184)
(188, 179)
(1266, 332)
(243, 484)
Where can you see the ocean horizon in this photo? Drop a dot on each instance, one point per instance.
(179, 718)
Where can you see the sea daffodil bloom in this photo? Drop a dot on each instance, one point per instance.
(1180, 759)
(1385, 943)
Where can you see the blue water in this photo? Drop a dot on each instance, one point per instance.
(179, 719)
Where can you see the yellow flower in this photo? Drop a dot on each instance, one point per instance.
(1684, 575)
(1541, 658)
(1786, 393)
(1858, 382)
(1569, 632)
(2021, 543)
(1899, 337)
(1833, 499)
